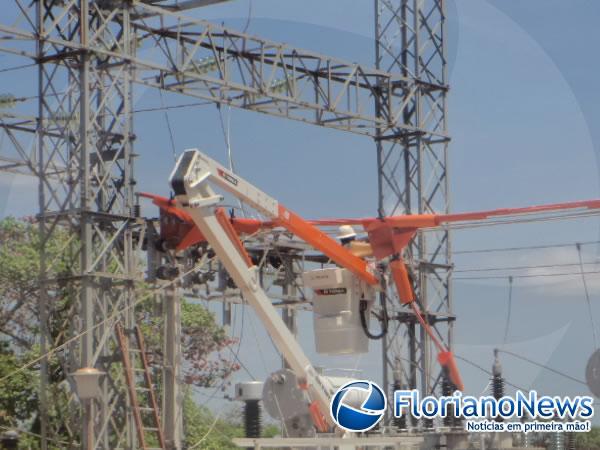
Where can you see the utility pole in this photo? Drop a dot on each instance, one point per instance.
(172, 400)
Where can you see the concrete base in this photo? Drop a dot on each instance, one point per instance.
(457, 440)
(501, 440)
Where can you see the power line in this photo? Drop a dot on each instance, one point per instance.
(168, 107)
(168, 121)
(539, 275)
(587, 295)
(543, 366)
(140, 110)
(477, 366)
(526, 247)
(525, 267)
(24, 66)
(510, 290)
(149, 293)
(522, 219)
(249, 17)
(113, 316)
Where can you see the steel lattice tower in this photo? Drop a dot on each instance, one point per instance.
(85, 166)
(413, 176)
(88, 54)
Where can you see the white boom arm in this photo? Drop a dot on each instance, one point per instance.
(191, 180)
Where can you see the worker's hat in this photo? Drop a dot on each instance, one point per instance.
(345, 232)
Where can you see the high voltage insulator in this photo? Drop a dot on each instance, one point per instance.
(399, 422)
(557, 441)
(206, 65)
(497, 380)
(570, 441)
(250, 392)
(448, 389)
(252, 419)
(279, 86)
(7, 101)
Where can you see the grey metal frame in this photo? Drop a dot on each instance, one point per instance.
(412, 162)
(90, 53)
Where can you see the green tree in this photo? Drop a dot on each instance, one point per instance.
(203, 340)
(588, 441)
(16, 408)
(205, 430)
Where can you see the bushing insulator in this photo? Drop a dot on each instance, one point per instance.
(252, 418)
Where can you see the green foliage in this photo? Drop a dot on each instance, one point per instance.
(588, 441)
(205, 430)
(203, 339)
(18, 396)
(271, 430)
(195, 316)
(20, 247)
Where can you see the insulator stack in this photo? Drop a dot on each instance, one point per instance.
(448, 389)
(557, 441)
(525, 437)
(428, 424)
(252, 419)
(400, 422)
(9, 440)
(250, 392)
(570, 441)
(497, 386)
(497, 380)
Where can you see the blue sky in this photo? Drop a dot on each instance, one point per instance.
(523, 112)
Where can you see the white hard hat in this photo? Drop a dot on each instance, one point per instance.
(345, 232)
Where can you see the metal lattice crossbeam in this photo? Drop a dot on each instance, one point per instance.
(204, 60)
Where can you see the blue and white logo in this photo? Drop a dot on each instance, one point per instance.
(358, 405)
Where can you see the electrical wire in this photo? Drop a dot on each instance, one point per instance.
(114, 315)
(149, 294)
(134, 111)
(248, 18)
(384, 317)
(168, 122)
(510, 290)
(539, 275)
(524, 218)
(168, 107)
(526, 247)
(511, 268)
(227, 137)
(587, 295)
(24, 66)
(212, 425)
(39, 436)
(543, 366)
(477, 366)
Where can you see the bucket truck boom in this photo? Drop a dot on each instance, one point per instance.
(191, 182)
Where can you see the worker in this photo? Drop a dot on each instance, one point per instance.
(347, 237)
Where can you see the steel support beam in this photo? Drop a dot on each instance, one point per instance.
(85, 171)
(413, 173)
(204, 60)
(173, 395)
